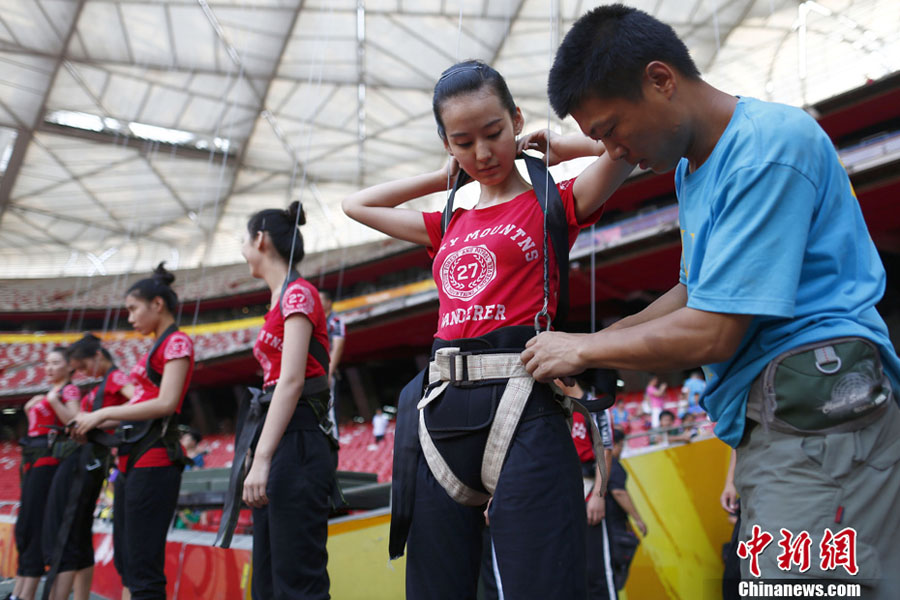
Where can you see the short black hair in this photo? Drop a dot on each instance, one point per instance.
(283, 227)
(466, 77)
(618, 435)
(668, 413)
(157, 285)
(605, 53)
(326, 295)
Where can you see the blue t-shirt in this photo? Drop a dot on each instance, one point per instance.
(694, 388)
(771, 227)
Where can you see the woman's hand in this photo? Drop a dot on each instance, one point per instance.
(541, 140)
(256, 481)
(596, 509)
(84, 422)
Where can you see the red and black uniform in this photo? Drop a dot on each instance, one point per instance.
(488, 265)
(289, 533)
(489, 271)
(39, 464)
(146, 488)
(68, 538)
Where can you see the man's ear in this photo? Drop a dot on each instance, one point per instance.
(661, 78)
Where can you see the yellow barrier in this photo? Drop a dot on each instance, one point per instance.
(676, 491)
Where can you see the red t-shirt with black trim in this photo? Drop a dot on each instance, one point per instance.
(177, 345)
(300, 298)
(42, 414)
(489, 266)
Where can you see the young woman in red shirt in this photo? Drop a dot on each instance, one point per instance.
(489, 267)
(150, 459)
(290, 482)
(68, 538)
(39, 465)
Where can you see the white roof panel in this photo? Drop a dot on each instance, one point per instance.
(262, 100)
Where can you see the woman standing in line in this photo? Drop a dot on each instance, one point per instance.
(292, 474)
(80, 477)
(489, 269)
(39, 464)
(150, 460)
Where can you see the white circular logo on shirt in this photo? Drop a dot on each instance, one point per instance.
(177, 346)
(466, 272)
(296, 299)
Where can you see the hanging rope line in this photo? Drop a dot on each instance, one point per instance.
(544, 313)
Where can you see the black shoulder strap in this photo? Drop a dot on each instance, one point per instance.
(558, 227)
(557, 224)
(152, 374)
(316, 349)
(98, 394)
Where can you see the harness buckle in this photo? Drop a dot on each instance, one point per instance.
(463, 379)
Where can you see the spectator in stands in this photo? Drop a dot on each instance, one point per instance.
(292, 474)
(68, 542)
(673, 433)
(379, 425)
(655, 397)
(150, 459)
(39, 465)
(692, 390)
(337, 334)
(190, 441)
(619, 506)
(620, 413)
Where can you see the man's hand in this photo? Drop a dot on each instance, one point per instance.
(728, 499)
(552, 354)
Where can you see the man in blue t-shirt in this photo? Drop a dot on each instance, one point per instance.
(776, 296)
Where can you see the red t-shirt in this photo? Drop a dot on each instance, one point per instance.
(43, 414)
(489, 265)
(300, 298)
(111, 393)
(177, 345)
(581, 435)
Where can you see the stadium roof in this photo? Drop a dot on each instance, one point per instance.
(134, 131)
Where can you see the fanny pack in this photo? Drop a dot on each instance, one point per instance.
(832, 386)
